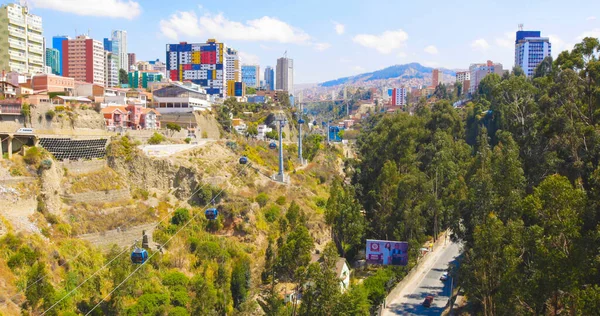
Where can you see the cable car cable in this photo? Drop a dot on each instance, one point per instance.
(162, 246)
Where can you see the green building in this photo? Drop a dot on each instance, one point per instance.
(53, 60)
(140, 79)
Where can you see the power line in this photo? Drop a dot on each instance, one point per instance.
(162, 246)
(104, 266)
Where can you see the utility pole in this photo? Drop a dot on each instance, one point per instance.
(280, 176)
(300, 122)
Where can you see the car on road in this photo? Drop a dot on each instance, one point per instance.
(428, 300)
(444, 276)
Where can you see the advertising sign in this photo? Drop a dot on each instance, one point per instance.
(387, 252)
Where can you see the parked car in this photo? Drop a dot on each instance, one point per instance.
(428, 300)
(444, 276)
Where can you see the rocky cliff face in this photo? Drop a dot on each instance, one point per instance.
(51, 190)
(160, 174)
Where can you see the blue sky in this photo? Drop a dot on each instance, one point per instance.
(329, 38)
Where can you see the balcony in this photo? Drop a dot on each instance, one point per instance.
(16, 32)
(15, 21)
(36, 60)
(34, 28)
(36, 49)
(17, 56)
(16, 44)
(35, 37)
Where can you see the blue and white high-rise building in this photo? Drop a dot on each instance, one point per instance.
(530, 50)
(251, 75)
(269, 78)
(57, 43)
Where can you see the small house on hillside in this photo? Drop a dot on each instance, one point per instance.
(342, 271)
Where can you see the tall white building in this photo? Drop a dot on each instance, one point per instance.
(530, 50)
(461, 76)
(233, 67)
(285, 75)
(111, 73)
(119, 49)
(21, 41)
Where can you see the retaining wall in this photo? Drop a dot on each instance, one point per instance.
(98, 196)
(85, 166)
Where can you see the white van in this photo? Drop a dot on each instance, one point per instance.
(25, 130)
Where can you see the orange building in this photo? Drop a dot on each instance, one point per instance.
(53, 83)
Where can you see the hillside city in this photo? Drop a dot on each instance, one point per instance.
(198, 183)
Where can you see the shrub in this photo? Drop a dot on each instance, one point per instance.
(59, 108)
(47, 164)
(181, 216)
(262, 199)
(280, 200)
(33, 156)
(50, 115)
(156, 139)
(187, 140)
(204, 134)
(272, 213)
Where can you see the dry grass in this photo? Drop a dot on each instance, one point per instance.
(101, 180)
(85, 218)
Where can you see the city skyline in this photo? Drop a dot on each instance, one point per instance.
(329, 43)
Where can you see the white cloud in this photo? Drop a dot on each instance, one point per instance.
(507, 41)
(339, 28)
(480, 44)
(249, 59)
(558, 45)
(593, 33)
(431, 50)
(384, 43)
(322, 46)
(430, 63)
(401, 55)
(345, 60)
(591, 18)
(266, 29)
(358, 68)
(127, 9)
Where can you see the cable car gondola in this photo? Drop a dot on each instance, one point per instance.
(300, 121)
(139, 256)
(211, 214)
(272, 145)
(243, 160)
(314, 123)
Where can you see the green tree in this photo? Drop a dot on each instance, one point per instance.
(173, 127)
(240, 281)
(294, 252)
(344, 215)
(181, 216)
(123, 77)
(40, 295)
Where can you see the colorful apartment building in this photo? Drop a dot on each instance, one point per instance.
(141, 79)
(236, 89)
(209, 65)
(84, 59)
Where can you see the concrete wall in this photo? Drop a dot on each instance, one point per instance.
(86, 166)
(98, 196)
(122, 237)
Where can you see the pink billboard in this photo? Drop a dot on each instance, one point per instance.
(387, 252)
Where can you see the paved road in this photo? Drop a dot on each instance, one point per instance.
(169, 149)
(426, 282)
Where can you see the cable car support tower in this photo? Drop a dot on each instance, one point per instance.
(280, 176)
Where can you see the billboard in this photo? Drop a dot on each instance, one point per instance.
(387, 252)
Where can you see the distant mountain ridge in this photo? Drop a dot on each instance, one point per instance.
(406, 71)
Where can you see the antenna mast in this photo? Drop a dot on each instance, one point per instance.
(520, 26)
